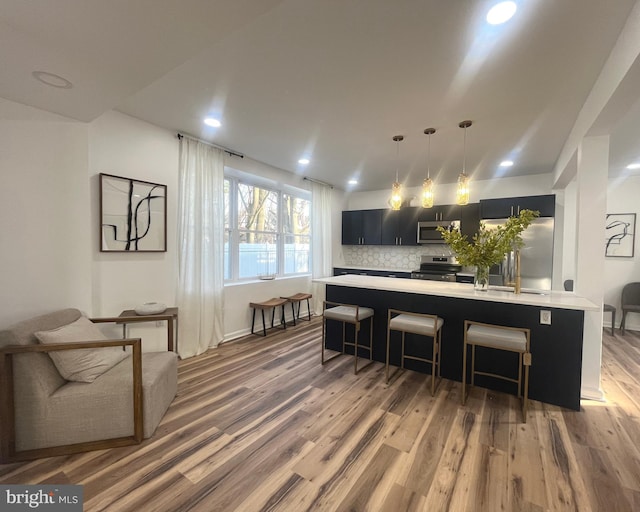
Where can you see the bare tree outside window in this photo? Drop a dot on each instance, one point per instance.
(267, 232)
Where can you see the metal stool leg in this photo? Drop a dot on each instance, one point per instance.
(264, 327)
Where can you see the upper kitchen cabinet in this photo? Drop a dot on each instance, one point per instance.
(440, 212)
(361, 227)
(506, 207)
(400, 227)
(469, 219)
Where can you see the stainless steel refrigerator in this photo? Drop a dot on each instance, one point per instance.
(536, 257)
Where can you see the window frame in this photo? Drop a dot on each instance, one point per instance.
(234, 231)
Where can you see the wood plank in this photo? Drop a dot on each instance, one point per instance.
(259, 424)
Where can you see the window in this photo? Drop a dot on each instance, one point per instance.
(297, 233)
(266, 231)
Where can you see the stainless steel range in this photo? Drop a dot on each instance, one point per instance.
(437, 268)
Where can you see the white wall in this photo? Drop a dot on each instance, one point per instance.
(49, 221)
(44, 223)
(623, 196)
(125, 146)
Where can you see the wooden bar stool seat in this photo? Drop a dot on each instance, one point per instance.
(297, 299)
(423, 325)
(498, 337)
(348, 314)
(268, 304)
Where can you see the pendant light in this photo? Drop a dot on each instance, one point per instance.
(396, 191)
(462, 191)
(427, 184)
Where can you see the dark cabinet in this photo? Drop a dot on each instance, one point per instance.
(361, 227)
(469, 219)
(341, 271)
(506, 207)
(400, 227)
(441, 212)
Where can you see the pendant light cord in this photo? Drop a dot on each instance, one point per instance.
(397, 158)
(464, 152)
(428, 157)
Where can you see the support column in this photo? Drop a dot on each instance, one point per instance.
(592, 177)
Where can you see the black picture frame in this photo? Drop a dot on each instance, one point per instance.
(620, 235)
(133, 215)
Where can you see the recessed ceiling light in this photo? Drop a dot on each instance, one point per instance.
(213, 122)
(506, 163)
(303, 161)
(633, 166)
(52, 79)
(352, 182)
(501, 13)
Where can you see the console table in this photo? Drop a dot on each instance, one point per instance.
(129, 316)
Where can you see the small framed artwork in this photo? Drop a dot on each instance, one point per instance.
(620, 235)
(133, 215)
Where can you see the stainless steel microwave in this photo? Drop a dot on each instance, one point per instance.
(429, 234)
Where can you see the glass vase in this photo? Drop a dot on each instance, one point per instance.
(481, 281)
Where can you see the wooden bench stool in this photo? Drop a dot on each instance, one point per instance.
(348, 314)
(423, 325)
(298, 298)
(498, 337)
(268, 304)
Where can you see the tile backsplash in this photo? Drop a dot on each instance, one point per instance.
(390, 257)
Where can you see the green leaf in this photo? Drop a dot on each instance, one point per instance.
(489, 246)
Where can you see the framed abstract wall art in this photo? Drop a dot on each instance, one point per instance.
(620, 235)
(133, 215)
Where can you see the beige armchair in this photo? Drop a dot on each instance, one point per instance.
(42, 414)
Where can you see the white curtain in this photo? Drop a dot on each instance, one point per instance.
(321, 240)
(200, 247)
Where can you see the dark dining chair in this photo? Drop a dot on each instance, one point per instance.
(630, 301)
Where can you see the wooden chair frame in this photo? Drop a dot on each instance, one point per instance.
(8, 451)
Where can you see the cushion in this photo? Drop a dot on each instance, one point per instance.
(497, 337)
(347, 313)
(86, 364)
(415, 324)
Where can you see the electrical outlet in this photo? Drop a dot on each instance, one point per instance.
(545, 317)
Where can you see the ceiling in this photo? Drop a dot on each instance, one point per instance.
(333, 80)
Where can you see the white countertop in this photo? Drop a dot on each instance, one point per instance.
(546, 298)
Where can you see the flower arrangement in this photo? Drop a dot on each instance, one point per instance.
(488, 246)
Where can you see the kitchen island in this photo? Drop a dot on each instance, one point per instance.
(556, 349)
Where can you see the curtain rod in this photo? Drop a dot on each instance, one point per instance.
(318, 182)
(229, 151)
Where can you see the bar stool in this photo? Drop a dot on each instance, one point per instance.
(298, 298)
(511, 339)
(348, 314)
(423, 325)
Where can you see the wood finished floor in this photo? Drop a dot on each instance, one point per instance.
(260, 425)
